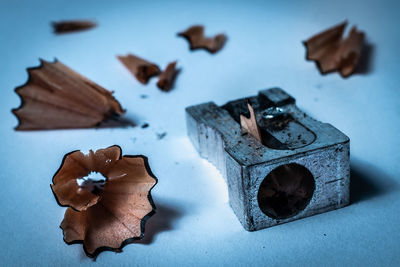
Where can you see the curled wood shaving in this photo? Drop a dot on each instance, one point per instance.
(197, 40)
(56, 97)
(250, 125)
(116, 214)
(332, 52)
(142, 69)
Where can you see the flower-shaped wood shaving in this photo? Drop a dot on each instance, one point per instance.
(109, 216)
(332, 52)
(56, 97)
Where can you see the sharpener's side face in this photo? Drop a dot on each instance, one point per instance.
(285, 191)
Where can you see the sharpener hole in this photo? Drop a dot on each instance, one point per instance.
(286, 191)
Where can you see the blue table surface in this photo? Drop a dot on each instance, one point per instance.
(194, 224)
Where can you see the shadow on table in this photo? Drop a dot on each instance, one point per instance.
(366, 182)
(117, 122)
(164, 220)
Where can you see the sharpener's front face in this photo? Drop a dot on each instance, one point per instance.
(297, 187)
(302, 168)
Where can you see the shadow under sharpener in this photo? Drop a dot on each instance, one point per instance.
(301, 168)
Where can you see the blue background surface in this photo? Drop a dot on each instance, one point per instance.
(194, 224)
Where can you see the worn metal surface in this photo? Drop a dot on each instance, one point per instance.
(290, 136)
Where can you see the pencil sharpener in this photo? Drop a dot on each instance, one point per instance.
(301, 168)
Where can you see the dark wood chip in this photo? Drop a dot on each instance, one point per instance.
(161, 135)
(67, 26)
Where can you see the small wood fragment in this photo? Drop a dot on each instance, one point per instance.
(116, 214)
(67, 26)
(167, 77)
(142, 69)
(56, 97)
(332, 52)
(197, 40)
(250, 125)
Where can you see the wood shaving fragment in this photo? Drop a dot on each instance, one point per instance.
(167, 77)
(332, 52)
(142, 69)
(197, 40)
(56, 97)
(250, 125)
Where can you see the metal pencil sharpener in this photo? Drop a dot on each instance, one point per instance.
(301, 169)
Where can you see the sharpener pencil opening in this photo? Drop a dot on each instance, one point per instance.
(286, 191)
